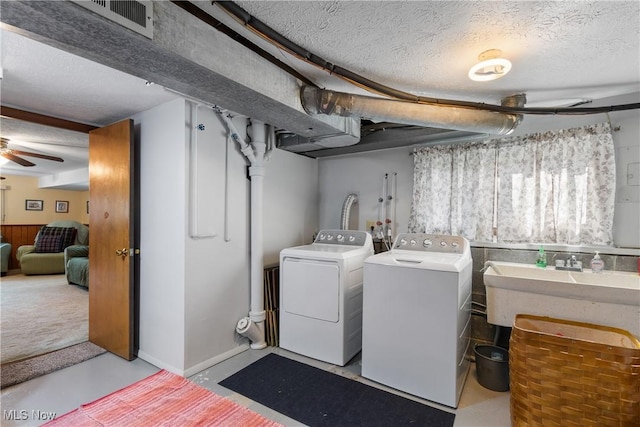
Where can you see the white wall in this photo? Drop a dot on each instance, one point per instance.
(163, 196)
(363, 173)
(195, 289)
(217, 271)
(290, 203)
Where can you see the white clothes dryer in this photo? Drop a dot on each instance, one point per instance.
(417, 316)
(321, 295)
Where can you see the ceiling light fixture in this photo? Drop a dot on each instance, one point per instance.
(490, 67)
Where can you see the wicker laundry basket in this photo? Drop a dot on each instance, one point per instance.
(565, 373)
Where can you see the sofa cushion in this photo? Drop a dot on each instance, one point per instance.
(42, 263)
(49, 243)
(67, 237)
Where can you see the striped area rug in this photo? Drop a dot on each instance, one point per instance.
(162, 399)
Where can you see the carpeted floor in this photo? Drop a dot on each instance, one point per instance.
(40, 314)
(24, 370)
(317, 397)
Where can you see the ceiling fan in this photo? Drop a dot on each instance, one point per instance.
(12, 155)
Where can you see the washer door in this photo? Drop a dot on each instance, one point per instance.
(311, 288)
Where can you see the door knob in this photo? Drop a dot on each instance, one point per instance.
(122, 252)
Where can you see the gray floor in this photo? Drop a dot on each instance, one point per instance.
(29, 403)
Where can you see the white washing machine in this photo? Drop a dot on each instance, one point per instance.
(417, 316)
(321, 295)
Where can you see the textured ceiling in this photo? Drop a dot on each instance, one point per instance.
(559, 49)
(41, 79)
(35, 75)
(561, 52)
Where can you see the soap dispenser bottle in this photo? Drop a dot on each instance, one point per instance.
(597, 264)
(541, 261)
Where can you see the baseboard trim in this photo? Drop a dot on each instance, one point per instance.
(215, 360)
(196, 368)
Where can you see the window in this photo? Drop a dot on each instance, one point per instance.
(552, 187)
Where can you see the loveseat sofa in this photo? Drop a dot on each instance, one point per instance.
(46, 255)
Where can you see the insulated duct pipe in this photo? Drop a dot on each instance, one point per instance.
(257, 153)
(320, 101)
(346, 210)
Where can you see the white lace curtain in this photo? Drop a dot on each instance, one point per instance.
(552, 187)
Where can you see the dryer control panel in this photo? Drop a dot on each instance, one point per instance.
(431, 243)
(343, 237)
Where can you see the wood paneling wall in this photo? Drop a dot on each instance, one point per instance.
(19, 235)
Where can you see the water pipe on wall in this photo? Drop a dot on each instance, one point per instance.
(257, 154)
(385, 209)
(384, 223)
(392, 206)
(381, 207)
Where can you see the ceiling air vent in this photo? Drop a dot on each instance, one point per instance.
(133, 14)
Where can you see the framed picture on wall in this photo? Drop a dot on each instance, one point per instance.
(33, 205)
(62, 206)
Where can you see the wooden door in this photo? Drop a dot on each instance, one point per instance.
(113, 238)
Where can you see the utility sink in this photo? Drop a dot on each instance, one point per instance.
(610, 298)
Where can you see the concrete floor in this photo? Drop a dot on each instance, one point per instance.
(65, 390)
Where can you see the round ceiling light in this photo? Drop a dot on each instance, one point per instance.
(490, 67)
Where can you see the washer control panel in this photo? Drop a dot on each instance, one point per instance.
(430, 243)
(342, 237)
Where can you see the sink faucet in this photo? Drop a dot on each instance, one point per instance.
(571, 264)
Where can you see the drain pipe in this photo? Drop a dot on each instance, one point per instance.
(253, 326)
(320, 101)
(256, 172)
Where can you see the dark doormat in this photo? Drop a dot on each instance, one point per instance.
(320, 398)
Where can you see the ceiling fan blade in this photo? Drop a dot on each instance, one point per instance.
(17, 159)
(41, 156)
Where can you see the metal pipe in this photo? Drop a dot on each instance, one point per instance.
(392, 201)
(319, 101)
(385, 206)
(277, 39)
(346, 210)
